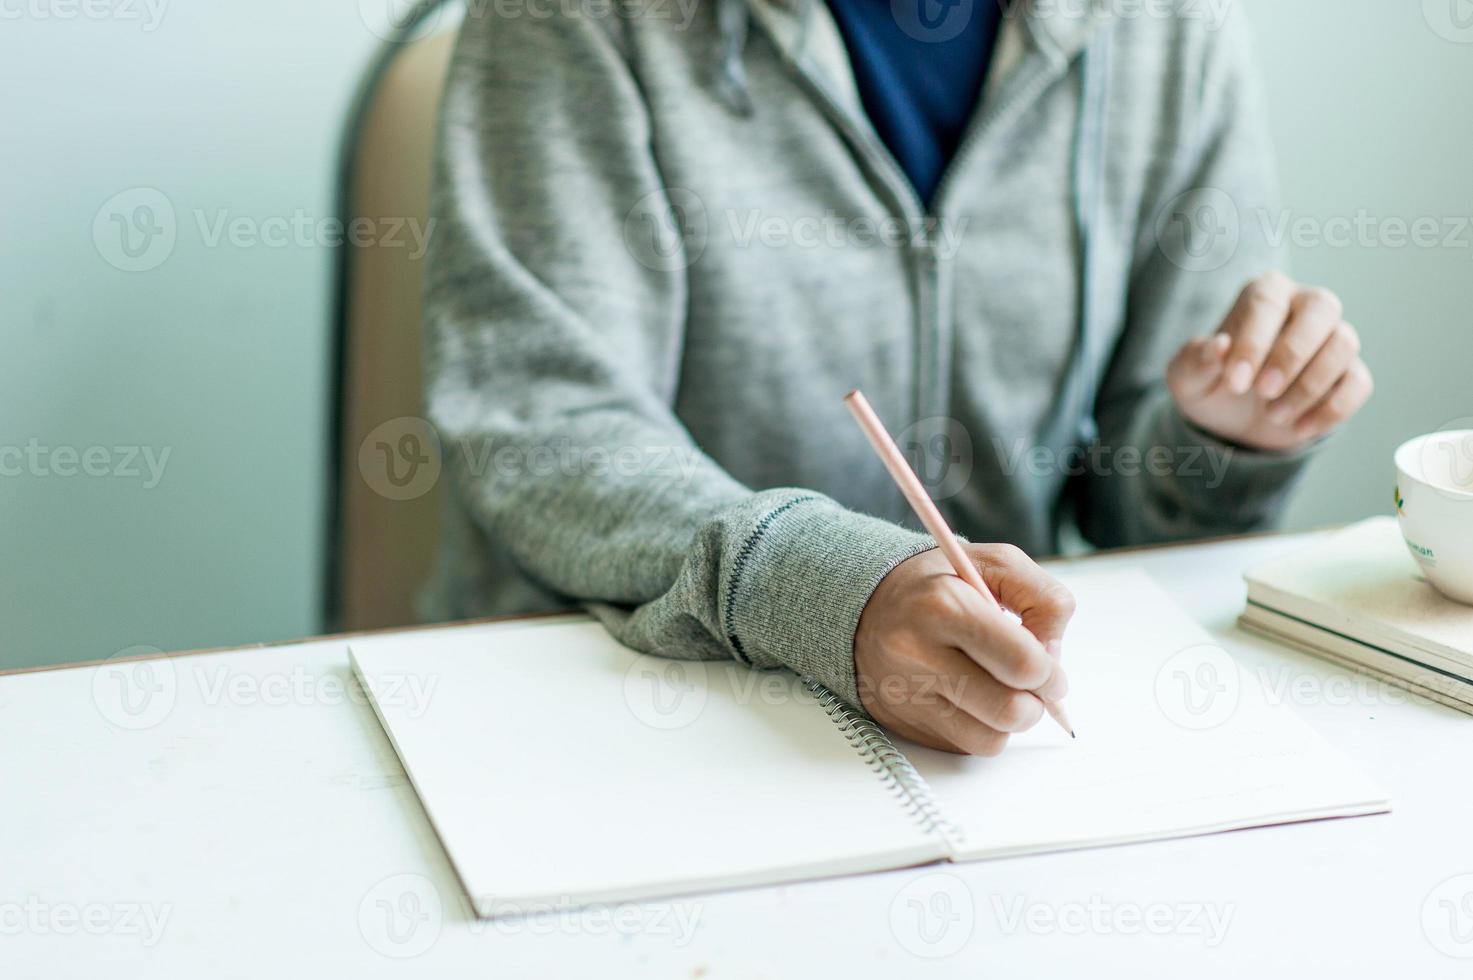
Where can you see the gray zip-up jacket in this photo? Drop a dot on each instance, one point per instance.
(668, 242)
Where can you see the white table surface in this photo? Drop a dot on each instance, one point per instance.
(251, 820)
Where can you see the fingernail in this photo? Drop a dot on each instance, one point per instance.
(1055, 648)
(1271, 384)
(1240, 378)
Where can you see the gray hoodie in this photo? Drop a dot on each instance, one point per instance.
(668, 242)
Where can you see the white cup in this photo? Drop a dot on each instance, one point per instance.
(1434, 503)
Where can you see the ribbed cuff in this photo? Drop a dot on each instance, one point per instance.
(795, 591)
(1244, 486)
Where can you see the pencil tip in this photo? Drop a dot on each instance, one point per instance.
(1071, 734)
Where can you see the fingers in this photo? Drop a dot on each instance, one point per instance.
(1254, 325)
(992, 639)
(942, 724)
(1329, 364)
(966, 734)
(1277, 329)
(1040, 600)
(968, 688)
(1345, 399)
(1198, 367)
(1314, 314)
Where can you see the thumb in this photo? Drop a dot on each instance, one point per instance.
(1198, 367)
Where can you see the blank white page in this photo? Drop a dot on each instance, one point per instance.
(559, 767)
(1174, 740)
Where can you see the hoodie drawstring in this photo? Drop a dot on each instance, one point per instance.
(732, 17)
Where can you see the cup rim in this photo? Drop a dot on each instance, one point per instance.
(1415, 445)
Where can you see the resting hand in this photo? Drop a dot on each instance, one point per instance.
(1283, 369)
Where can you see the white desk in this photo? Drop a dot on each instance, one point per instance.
(265, 826)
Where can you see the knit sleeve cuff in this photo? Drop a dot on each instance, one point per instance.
(1242, 486)
(795, 591)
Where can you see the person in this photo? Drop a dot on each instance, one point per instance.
(671, 236)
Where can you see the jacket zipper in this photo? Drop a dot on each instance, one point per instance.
(925, 221)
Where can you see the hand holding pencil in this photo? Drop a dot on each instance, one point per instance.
(937, 658)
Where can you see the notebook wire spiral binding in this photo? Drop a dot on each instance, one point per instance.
(881, 755)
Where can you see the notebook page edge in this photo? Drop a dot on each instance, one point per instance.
(419, 797)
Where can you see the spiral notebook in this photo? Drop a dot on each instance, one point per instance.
(560, 768)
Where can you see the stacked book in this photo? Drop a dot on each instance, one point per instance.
(1356, 597)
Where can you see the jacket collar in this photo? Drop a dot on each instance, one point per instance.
(1039, 40)
(1057, 29)
(807, 36)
